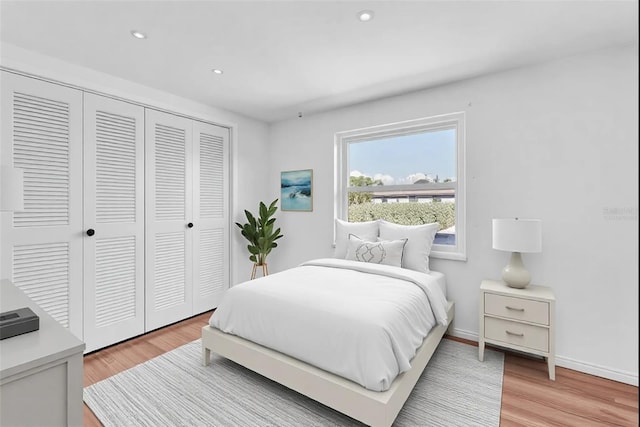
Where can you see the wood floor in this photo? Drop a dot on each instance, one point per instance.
(528, 397)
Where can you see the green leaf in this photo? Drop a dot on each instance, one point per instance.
(250, 218)
(267, 230)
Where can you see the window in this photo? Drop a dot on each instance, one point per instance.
(409, 173)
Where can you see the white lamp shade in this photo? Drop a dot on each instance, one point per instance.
(11, 189)
(517, 235)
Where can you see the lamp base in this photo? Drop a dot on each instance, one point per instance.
(515, 275)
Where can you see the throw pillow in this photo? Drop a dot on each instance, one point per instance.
(419, 242)
(381, 252)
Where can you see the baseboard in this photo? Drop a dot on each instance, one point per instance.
(600, 371)
(576, 365)
(467, 335)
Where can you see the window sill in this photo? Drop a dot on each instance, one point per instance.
(454, 256)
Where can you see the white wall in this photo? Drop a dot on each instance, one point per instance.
(557, 141)
(249, 136)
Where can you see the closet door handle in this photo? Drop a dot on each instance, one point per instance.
(190, 225)
(91, 232)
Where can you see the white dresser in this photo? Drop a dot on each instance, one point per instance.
(40, 372)
(520, 319)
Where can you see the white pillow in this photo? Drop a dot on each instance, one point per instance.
(381, 252)
(419, 242)
(365, 230)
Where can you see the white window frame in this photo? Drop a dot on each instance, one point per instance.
(440, 122)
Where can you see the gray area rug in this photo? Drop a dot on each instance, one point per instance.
(175, 390)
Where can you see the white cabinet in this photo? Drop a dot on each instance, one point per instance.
(41, 248)
(114, 218)
(40, 371)
(126, 223)
(186, 217)
(520, 319)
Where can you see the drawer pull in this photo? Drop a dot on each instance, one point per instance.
(514, 333)
(513, 308)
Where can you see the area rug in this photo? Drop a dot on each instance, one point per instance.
(175, 390)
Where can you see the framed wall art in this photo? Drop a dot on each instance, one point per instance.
(296, 190)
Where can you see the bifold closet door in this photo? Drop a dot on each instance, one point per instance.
(211, 218)
(113, 221)
(41, 246)
(169, 221)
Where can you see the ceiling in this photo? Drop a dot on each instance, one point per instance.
(284, 57)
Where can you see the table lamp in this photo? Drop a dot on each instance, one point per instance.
(517, 236)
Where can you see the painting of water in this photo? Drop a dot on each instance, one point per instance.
(296, 190)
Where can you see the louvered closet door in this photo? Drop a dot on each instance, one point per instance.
(42, 245)
(168, 200)
(114, 211)
(211, 217)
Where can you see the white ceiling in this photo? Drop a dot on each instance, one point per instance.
(284, 57)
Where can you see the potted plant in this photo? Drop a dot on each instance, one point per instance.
(261, 235)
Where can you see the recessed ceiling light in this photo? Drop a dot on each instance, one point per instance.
(365, 15)
(138, 34)
(217, 71)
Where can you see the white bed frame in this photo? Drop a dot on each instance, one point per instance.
(377, 409)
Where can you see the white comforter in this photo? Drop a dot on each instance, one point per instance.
(361, 321)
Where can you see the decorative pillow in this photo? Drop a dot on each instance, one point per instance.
(381, 252)
(419, 242)
(365, 230)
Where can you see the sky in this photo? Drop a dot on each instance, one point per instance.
(405, 159)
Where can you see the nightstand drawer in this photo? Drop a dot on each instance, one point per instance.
(521, 334)
(517, 308)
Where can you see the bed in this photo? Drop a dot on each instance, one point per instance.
(291, 328)
(353, 332)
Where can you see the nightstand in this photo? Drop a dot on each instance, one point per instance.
(519, 319)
